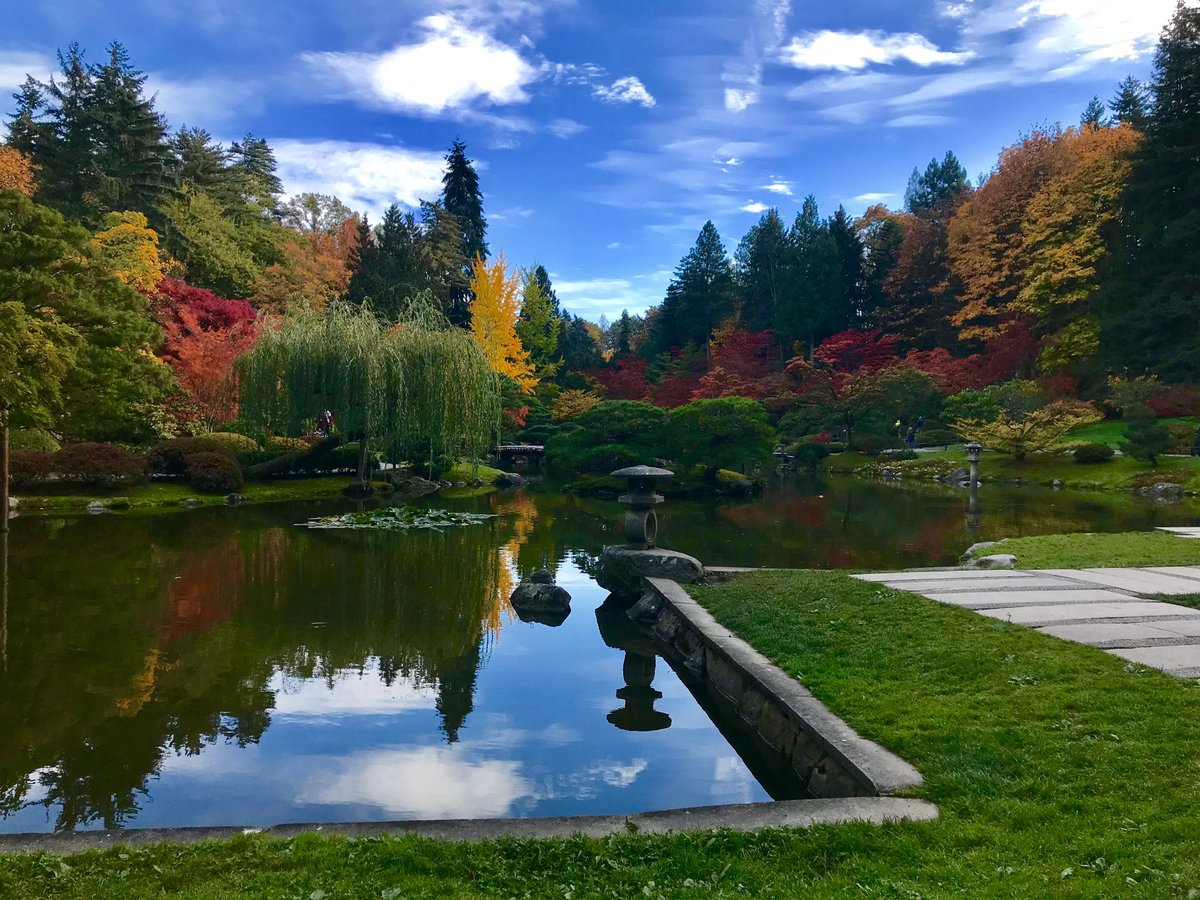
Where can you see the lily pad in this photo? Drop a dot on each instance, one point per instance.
(402, 517)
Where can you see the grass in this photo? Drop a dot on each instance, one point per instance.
(1121, 473)
(1059, 771)
(1192, 600)
(468, 472)
(1112, 431)
(172, 494)
(1079, 551)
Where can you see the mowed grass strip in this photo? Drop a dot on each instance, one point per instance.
(1081, 551)
(1059, 770)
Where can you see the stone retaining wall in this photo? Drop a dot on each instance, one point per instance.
(828, 756)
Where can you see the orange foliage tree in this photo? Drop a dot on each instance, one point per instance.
(316, 268)
(16, 172)
(494, 314)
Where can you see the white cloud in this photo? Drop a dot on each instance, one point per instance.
(737, 100)
(593, 297)
(16, 64)
(847, 50)
(625, 90)
(768, 21)
(451, 68)
(565, 128)
(919, 121)
(779, 187)
(755, 207)
(365, 176)
(874, 197)
(615, 245)
(203, 102)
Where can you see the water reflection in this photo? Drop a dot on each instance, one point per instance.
(637, 669)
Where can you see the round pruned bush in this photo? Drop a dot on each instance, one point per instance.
(97, 465)
(938, 437)
(1090, 454)
(233, 443)
(874, 444)
(170, 457)
(213, 472)
(29, 469)
(281, 445)
(809, 454)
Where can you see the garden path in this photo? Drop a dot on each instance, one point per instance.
(1107, 608)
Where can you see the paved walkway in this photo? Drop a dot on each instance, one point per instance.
(1105, 608)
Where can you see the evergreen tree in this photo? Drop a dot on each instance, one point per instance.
(623, 334)
(542, 277)
(1093, 114)
(882, 236)
(1158, 332)
(203, 164)
(809, 308)
(1146, 438)
(941, 182)
(1131, 104)
(846, 310)
(538, 327)
(700, 296)
(578, 346)
(444, 267)
(254, 166)
(462, 198)
(761, 262)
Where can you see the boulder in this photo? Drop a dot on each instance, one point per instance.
(13, 503)
(418, 486)
(1162, 492)
(233, 499)
(547, 604)
(969, 555)
(190, 502)
(96, 508)
(622, 571)
(509, 480)
(740, 487)
(998, 561)
(958, 476)
(541, 576)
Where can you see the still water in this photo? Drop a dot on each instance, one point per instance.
(224, 666)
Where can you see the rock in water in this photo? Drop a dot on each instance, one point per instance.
(547, 604)
(541, 576)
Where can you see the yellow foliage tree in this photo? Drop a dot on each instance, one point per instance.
(571, 404)
(1042, 429)
(129, 247)
(16, 172)
(494, 314)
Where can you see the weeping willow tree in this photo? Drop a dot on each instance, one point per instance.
(419, 386)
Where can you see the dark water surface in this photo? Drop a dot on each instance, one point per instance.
(223, 666)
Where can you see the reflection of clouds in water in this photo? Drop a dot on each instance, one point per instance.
(619, 776)
(355, 692)
(732, 781)
(497, 734)
(421, 783)
(585, 784)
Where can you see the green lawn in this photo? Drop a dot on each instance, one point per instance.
(1078, 551)
(1112, 431)
(1059, 771)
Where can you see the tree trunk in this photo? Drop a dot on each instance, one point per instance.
(4, 472)
(282, 464)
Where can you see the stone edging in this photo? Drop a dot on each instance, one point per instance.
(829, 756)
(736, 817)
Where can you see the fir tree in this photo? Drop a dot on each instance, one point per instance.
(810, 307)
(940, 182)
(462, 198)
(1131, 104)
(538, 327)
(761, 260)
(846, 309)
(254, 165)
(700, 296)
(542, 277)
(1093, 114)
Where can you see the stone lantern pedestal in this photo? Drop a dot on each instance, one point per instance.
(974, 455)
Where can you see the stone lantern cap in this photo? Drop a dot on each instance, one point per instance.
(643, 472)
(642, 483)
(974, 450)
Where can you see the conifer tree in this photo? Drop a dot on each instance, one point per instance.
(462, 198)
(538, 327)
(1093, 114)
(700, 296)
(1131, 104)
(942, 181)
(761, 262)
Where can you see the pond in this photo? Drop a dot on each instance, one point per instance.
(224, 666)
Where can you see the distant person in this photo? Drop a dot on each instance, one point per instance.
(911, 438)
(325, 424)
(920, 424)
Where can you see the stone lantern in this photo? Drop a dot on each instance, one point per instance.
(641, 522)
(974, 455)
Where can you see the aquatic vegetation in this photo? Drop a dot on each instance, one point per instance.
(403, 517)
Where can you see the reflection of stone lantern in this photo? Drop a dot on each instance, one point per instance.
(619, 632)
(641, 523)
(974, 454)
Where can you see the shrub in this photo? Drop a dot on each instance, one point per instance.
(232, 442)
(631, 424)
(1145, 437)
(809, 455)
(572, 404)
(608, 458)
(902, 455)
(170, 457)
(1176, 400)
(873, 444)
(252, 430)
(29, 468)
(938, 437)
(213, 472)
(1093, 453)
(281, 445)
(103, 465)
(32, 439)
(725, 433)
(836, 446)
(1181, 438)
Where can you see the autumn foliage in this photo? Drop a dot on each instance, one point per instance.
(16, 172)
(494, 314)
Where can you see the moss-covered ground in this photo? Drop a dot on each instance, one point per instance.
(1059, 771)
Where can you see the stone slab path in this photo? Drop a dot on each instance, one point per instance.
(1104, 607)
(1184, 531)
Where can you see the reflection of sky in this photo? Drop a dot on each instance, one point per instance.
(536, 743)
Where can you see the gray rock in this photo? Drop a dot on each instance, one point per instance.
(460, 484)
(418, 486)
(190, 501)
(509, 480)
(13, 503)
(999, 561)
(96, 508)
(958, 476)
(541, 576)
(545, 603)
(981, 545)
(1162, 492)
(1056, 484)
(741, 487)
(622, 570)
(233, 499)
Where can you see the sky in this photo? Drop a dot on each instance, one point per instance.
(606, 132)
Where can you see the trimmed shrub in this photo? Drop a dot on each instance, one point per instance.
(1089, 454)
(938, 437)
(28, 469)
(32, 439)
(608, 458)
(873, 444)
(1176, 400)
(233, 443)
(213, 472)
(836, 446)
(1182, 437)
(102, 465)
(281, 445)
(809, 455)
(170, 457)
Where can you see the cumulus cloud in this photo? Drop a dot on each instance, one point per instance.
(847, 50)
(451, 68)
(625, 90)
(755, 207)
(565, 128)
(365, 176)
(779, 187)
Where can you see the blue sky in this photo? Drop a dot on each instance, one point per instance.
(607, 131)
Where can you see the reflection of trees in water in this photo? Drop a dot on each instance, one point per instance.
(136, 635)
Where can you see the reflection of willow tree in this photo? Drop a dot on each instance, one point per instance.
(139, 636)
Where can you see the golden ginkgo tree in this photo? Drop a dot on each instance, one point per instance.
(494, 313)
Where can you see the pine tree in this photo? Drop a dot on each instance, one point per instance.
(761, 260)
(543, 279)
(808, 311)
(1093, 114)
(442, 263)
(254, 166)
(578, 346)
(846, 310)
(538, 327)
(941, 182)
(1131, 104)
(201, 163)
(700, 296)
(882, 236)
(1159, 332)
(462, 198)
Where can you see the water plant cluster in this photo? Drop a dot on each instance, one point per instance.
(400, 517)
